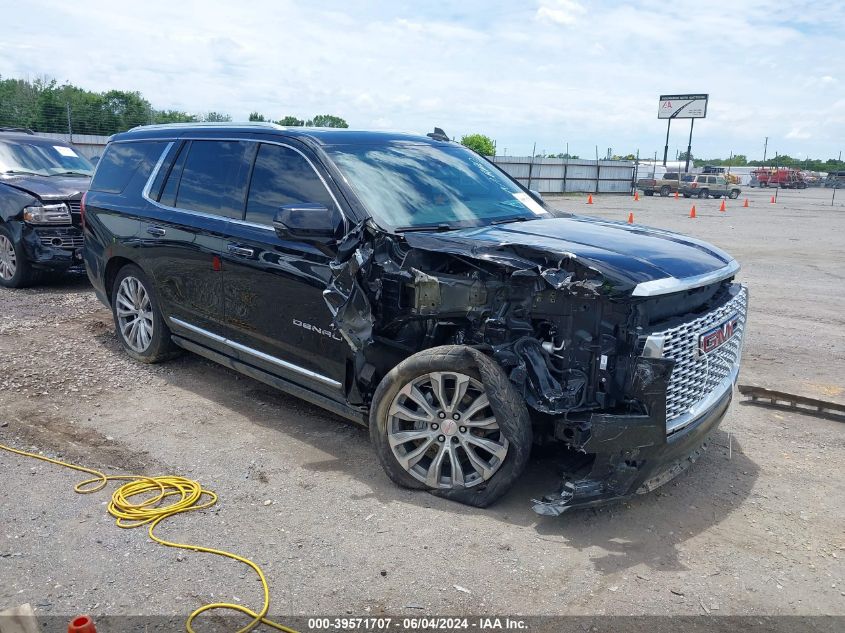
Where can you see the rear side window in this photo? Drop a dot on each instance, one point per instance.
(282, 176)
(214, 178)
(122, 161)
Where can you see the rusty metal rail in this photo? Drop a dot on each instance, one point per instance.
(792, 402)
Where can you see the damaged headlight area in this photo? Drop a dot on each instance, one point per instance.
(568, 335)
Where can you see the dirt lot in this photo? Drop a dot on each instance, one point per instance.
(754, 528)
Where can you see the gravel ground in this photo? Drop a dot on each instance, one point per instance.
(754, 528)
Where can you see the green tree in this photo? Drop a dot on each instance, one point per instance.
(479, 143)
(290, 121)
(327, 120)
(254, 116)
(216, 117)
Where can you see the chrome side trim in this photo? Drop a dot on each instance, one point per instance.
(672, 284)
(257, 354)
(146, 190)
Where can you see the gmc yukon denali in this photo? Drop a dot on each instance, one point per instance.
(408, 284)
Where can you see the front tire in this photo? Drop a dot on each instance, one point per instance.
(664, 191)
(449, 421)
(704, 193)
(15, 269)
(734, 194)
(138, 321)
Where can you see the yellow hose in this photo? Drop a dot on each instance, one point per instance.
(141, 502)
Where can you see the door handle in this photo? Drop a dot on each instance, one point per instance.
(240, 251)
(156, 230)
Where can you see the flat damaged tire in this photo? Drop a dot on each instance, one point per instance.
(448, 420)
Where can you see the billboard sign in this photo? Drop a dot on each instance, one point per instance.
(682, 107)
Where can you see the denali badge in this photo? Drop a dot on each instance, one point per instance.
(715, 338)
(317, 330)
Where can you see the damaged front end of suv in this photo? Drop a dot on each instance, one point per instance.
(622, 342)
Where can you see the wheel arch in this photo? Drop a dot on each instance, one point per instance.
(113, 267)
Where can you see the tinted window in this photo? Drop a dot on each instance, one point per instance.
(122, 161)
(282, 176)
(214, 178)
(174, 174)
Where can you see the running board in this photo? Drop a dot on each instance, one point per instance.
(802, 404)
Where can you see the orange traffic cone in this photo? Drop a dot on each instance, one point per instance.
(637, 196)
(692, 212)
(772, 201)
(81, 624)
(745, 204)
(590, 199)
(631, 218)
(722, 208)
(676, 194)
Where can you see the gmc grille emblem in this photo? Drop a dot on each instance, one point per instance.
(718, 336)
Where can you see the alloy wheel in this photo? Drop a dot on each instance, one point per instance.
(443, 432)
(8, 259)
(134, 314)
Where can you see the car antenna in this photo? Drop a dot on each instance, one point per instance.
(438, 135)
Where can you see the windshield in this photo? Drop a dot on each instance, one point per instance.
(42, 159)
(409, 186)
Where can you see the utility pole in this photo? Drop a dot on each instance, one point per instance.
(69, 128)
(689, 145)
(765, 147)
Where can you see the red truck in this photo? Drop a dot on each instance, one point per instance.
(783, 178)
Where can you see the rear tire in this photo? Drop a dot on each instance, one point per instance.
(15, 269)
(473, 458)
(138, 321)
(734, 194)
(704, 193)
(664, 191)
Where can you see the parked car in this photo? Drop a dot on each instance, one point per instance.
(408, 284)
(41, 184)
(835, 179)
(704, 185)
(667, 184)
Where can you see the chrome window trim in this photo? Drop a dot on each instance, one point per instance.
(669, 285)
(146, 190)
(258, 354)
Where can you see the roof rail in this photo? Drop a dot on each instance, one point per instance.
(25, 130)
(168, 126)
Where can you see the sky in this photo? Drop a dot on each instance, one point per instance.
(550, 72)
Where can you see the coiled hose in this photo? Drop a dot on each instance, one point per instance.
(151, 500)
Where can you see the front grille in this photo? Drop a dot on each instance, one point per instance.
(60, 237)
(696, 376)
(75, 211)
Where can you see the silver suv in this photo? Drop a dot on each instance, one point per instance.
(705, 185)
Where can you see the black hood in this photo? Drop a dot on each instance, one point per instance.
(49, 188)
(631, 258)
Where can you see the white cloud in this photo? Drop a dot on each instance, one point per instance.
(565, 12)
(504, 68)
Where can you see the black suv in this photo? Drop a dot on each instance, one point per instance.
(408, 284)
(41, 185)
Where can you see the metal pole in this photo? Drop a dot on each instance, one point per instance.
(666, 147)
(689, 145)
(765, 147)
(598, 169)
(566, 168)
(531, 164)
(69, 128)
(777, 176)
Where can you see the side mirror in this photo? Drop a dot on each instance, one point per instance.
(308, 222)
(537, 196)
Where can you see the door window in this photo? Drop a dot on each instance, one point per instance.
(282, 176)
(214, 178)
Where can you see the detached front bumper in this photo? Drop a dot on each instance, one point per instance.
(634, 455)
